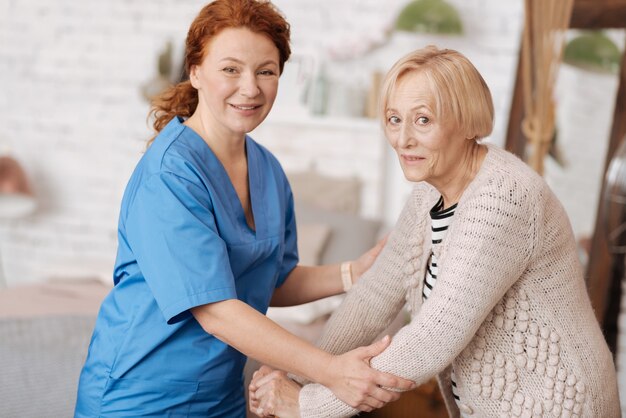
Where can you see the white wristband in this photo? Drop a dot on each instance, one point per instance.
(346, 275)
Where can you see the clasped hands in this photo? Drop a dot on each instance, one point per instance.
(273, 394)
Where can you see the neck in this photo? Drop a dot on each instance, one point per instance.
(228, 148)
(466, 172)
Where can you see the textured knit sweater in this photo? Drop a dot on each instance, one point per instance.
(510, 310)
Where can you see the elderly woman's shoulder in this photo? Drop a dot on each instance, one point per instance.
(502, 163)
(507, 177)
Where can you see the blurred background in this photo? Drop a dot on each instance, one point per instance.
(76, 78)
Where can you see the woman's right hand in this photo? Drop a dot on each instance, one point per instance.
(352, 380)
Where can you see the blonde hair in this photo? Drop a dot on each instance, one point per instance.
(460, 94)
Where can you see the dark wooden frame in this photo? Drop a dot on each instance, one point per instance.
(603, 273)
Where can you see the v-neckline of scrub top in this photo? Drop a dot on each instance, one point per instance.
(255, 187)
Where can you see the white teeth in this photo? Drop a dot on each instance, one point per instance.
(245, 107)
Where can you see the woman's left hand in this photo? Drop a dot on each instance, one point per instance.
(365, 261)
(273, 394)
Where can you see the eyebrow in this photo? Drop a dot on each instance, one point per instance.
(272, 62)
(421, 106)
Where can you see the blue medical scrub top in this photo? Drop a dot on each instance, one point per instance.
(184, 242)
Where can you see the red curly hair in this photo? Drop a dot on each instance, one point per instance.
(259, 16)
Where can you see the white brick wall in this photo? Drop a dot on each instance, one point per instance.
(72, 113)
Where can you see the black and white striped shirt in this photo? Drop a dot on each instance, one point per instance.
(440, 220)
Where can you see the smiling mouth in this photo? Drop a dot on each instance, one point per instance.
(411, 158)
(246, 107)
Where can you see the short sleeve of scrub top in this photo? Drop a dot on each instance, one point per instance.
(290, 258)
(177, 245)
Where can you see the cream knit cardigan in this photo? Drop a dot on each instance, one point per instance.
(510, 309)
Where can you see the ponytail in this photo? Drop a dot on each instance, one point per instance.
(179, 100)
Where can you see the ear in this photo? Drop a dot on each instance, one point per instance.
(193, 77)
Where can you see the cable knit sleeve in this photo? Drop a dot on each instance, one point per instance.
(488, 246)
(377, 297)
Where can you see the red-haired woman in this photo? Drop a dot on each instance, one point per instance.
(207, 240)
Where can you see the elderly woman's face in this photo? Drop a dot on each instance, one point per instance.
(429, 149)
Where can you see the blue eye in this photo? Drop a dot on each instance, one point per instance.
(423, 120)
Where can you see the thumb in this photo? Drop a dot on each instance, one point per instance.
(383, 240)
(379, 246)
(377, 347)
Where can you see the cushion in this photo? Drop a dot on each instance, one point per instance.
(312, 238)
(330, 193)
(351, 234)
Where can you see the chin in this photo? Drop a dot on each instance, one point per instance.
(411, 175)
(414, 179)
(244, 128)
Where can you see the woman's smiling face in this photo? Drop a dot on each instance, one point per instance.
(429, 149)
(237, 80)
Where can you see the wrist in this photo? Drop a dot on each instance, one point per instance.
(346, 275)
(324, 375)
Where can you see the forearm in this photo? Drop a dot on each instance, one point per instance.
(317, 401)
(308, 283)
(411, 355)
(252, 333)
(377, 297)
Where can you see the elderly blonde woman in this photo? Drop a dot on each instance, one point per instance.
(483, 256)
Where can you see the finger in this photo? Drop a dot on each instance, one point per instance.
(383, 240)
(253, 383)
(393, 381)
(383, 395)
(262, 371)
(381, 243)
(364, 407)
(261, 412)
(377, 347)
(265, 369)
(267, 407)
(374, 403)
(264, 390)
(275, 375)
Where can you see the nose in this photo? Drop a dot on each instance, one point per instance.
(406, 136)
(249, 86)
